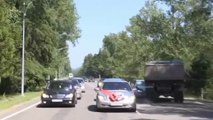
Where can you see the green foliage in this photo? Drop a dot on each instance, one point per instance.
(183, 32)
(49, 25)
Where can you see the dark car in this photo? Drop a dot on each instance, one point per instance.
(59, 92)
(139, 88)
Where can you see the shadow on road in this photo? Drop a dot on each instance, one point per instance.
(53, 106)
(190, 108)
(144, 100)
(143, 119)
(93, 108)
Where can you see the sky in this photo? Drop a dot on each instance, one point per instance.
(97, 19)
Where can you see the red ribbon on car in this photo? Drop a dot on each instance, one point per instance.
(112, 95)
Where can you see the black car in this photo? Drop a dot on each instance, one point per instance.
(59, 92)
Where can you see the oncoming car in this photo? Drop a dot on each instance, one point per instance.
(115, 93)
(77, 86)
(81, 81)
(139, 88)
(59, 92)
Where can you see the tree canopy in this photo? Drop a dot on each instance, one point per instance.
(50, 24)
(183, 32)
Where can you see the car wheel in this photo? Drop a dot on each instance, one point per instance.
(97, 108)
(80, 97)
(133, 110)
(73, 104)
(75, 99)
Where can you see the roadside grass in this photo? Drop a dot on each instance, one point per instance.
(196, 97)
(13, 100)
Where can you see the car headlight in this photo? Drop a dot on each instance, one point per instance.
(139, 91)
(44, 95)
(101, 98)
(132, 98)
(69, 95)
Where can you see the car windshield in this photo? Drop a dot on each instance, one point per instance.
(81, 81)
(116, 86)
(60, 85)
(141, 83)
(75, 82)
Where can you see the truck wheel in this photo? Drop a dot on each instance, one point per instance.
(180, 97)
(155, 97)
(176, 97)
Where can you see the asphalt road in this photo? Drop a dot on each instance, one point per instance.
(85, 110)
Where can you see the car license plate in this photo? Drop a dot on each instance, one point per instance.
(57, 100)
(116, 104)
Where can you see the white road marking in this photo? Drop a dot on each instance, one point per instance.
(138, 113)
(200, 103)
(20, 111)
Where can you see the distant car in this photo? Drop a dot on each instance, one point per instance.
(91, 79)
(81, 81)
(139, 88)
(115, 93)
(85, 79)
(77, 86)
(59, 92)
(71, 75)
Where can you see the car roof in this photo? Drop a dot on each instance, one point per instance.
(114, 80)
(77, 78)
(139, 80)
(60, 81)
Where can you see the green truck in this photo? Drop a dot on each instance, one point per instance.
(164, 78)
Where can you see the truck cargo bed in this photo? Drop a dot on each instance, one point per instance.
(164, 70)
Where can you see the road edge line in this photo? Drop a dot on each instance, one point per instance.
(20, 111)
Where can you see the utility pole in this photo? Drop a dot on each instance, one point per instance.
(23, 48)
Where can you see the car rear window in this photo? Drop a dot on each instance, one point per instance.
(116, 86)
(140, 83)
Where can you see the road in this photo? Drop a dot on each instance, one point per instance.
(85, 110)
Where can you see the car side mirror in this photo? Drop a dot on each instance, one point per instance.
(97, 89)
(134, 89)
(76, 87)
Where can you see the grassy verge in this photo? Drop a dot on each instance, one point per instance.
(12, 100)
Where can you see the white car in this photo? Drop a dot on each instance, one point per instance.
(115, 93)
(77, 86)
(81, 81)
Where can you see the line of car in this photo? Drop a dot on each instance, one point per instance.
(63, 92)
(115, 93)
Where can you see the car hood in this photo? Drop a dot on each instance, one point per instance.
(116, 95)
(118, 92)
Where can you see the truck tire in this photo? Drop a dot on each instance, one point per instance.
(155, 97)
(181, 98)
(178, 97)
